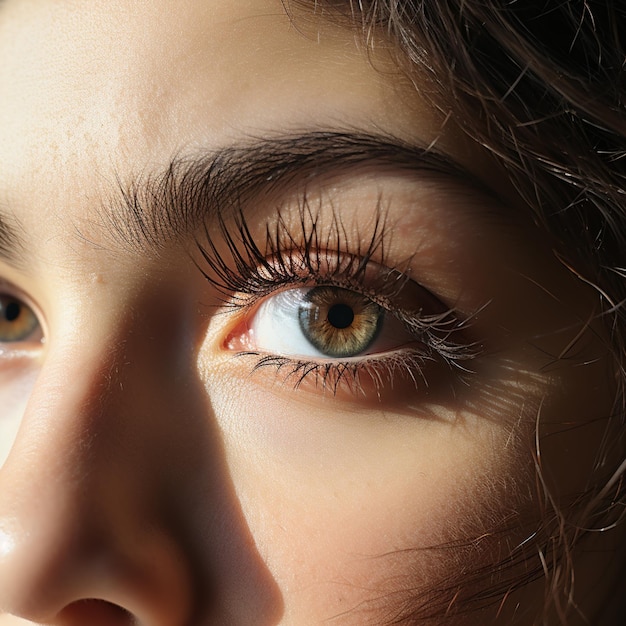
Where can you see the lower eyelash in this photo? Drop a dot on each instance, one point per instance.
(351, 376)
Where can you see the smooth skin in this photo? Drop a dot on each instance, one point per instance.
(151, 475)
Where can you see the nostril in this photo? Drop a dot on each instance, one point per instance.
(94, 613)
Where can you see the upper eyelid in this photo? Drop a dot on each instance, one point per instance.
(304, 240)
(257, 273)
(271, 252)
(9, 288)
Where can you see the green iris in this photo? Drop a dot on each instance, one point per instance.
(17, 320)
(338, 322)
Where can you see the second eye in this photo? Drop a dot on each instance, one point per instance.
(18, 322)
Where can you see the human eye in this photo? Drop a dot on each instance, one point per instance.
(324, 310)
(19, 326)
(338, 338)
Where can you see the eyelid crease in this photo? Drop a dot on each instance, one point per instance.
(8, 288)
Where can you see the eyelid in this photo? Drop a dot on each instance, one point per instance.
(10, 289)
(393, 290)
(313, 247)
(408, 303)
(309, 245)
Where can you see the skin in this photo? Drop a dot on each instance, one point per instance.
(148, 473)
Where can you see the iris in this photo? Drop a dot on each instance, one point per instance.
(340, 323)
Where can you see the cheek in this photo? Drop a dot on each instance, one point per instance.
(353, 511)
(16, 383)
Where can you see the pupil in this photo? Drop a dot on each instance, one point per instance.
(340, 316)
(12, 311)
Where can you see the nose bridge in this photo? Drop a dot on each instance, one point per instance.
(96, 391)
(79, 492)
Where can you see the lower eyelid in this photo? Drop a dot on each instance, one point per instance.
(390, 378)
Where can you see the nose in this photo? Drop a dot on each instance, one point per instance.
(86, 532)
(117, 504)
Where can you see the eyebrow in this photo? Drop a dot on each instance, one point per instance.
(151, 211)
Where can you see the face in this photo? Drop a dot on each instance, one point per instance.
(276, 342)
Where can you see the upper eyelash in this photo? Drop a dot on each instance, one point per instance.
(249, 272)
(253, 272)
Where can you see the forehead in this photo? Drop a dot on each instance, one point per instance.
(118, 86)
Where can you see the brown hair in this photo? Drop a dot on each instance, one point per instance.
(541, 86)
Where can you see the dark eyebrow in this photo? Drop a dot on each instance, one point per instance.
(155, 209)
